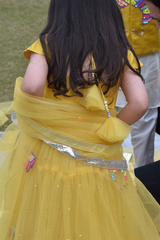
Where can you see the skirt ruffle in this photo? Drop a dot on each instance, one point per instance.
(61, 199)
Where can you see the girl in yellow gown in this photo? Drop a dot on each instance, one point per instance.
(64, 175)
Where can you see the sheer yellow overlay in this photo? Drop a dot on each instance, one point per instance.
(46, 195)
(59, 198)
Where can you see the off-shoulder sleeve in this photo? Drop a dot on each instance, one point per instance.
(36, 47)
(132, 60)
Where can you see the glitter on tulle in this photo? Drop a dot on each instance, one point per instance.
(80, 119)
(113, 174)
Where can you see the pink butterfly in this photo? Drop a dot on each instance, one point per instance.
(30, 162)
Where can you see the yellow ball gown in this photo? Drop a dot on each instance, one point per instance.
(64, 174)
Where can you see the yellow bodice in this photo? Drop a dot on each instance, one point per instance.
(92, 99)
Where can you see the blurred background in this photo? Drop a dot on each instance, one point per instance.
(21, 22)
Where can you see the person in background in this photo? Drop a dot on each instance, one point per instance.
(150, 174)
(143, 35)
(154, 8)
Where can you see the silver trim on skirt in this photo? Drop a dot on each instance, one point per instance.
(93, 161)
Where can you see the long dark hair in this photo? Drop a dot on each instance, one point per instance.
(78, 28)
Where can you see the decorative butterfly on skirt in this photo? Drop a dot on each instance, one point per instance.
(141, 4)
(30, 162)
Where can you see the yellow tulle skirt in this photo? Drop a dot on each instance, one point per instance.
(46, 195)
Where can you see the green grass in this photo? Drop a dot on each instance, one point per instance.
(21, 21)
